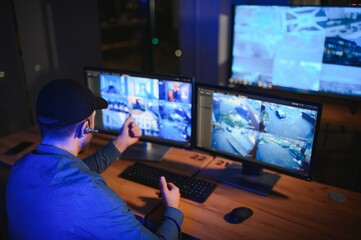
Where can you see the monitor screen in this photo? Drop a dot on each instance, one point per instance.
(262, 131)
(304, 49)
(161, 105)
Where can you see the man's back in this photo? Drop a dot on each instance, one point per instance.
(53, 195)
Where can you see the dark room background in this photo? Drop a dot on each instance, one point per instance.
(46, 39)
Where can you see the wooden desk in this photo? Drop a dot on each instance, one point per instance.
(7, 142)
(295, 209)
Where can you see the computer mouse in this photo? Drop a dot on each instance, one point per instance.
(239, 214)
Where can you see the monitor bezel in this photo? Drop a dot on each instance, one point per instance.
(256, 163)
(297, 92)
(144, 138)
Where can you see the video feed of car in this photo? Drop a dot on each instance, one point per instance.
(273, 133)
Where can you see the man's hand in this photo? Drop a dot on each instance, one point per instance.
(129, 134)
(169, 192)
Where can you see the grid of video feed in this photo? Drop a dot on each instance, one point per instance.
(298, 48)
(276, 134)
(161, 108)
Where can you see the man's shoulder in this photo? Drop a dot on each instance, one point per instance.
(53, 170)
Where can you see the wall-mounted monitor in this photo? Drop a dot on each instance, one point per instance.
(259, 130)
(303, 49)
(161, 105)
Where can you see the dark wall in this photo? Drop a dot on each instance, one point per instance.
(57, 39)
(14, 107)
(199, 39)
(76, 28)
(40, 41)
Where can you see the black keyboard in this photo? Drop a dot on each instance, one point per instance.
(190, 187)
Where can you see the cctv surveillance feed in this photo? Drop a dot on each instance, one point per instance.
(275, 133)
(161, 108)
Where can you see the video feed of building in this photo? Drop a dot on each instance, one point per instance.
(161, 108)
(273, 133)
(307, 48)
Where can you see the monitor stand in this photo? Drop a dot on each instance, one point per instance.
(249, 177)
(145, 151)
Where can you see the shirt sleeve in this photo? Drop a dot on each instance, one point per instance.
(100, 160)
(171, 225)
(110, 213)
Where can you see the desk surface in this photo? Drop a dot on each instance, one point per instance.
(295, 208)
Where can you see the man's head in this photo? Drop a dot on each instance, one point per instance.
(64, 106)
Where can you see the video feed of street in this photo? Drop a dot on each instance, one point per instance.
(161, 108)
(273, 133)
(308, 48)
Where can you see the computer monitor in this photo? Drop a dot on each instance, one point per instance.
(161, 105)
(262, 131)
(300, 49)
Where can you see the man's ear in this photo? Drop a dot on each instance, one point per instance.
(81, 130)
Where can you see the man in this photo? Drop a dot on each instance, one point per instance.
(52, 194)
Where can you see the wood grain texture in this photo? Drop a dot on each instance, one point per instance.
(295, 209)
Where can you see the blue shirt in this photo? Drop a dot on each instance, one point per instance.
(52, 194)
